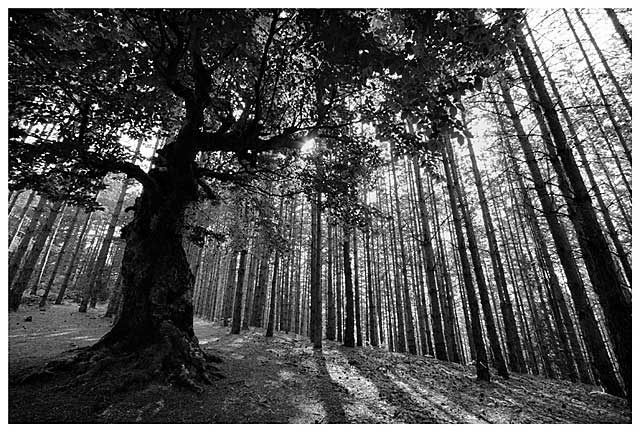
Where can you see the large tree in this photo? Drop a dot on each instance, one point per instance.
(230, 89)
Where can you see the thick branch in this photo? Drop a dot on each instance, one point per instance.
(231, 142)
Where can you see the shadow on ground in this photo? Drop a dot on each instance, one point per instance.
(283, 380)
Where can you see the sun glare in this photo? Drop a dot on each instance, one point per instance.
(308, 145)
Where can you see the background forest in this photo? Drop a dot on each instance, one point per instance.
(454, 184)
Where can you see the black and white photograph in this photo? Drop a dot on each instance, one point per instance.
(314, 214)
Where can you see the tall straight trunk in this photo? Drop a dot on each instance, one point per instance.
(372, 316)
(430, 266)
(75, 256)
(612, 188)
(417, 261)
(272, 297)
(13, 197)
(483, 290)
(546, 345)
(461, 286)
(331, 301)
(559, 309)
(251, 283)
(227, 300)
(605, 136)
(21, 216)
(41, 265)
(482, 363)
(612, 117)
(71, 227)
(22, 278)
(450, 323)
(378, 293)
(593, 337)
(400, 343)
(237, 304)
(604, 210)
(614, 298)
(316, 273)
(349, 339)
(15, 259)
(299, 270)
(514, 348)
(622, 32)
(408, 315)
(259, 301)
(356, 289)
(603, 60)
(339, 291)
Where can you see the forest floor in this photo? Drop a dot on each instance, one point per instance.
(283, 380)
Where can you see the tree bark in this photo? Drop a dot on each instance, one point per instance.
(237, 304)
(349, 339)
(316, 273)
(356, 288)
(272, 297)
(331, 301)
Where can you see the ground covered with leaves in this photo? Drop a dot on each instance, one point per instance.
(283, 380)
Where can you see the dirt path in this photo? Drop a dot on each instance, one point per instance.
(283, 380)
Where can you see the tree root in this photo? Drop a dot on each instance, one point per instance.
(172, 359)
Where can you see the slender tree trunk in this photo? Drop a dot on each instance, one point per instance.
(73, 260)
(603, 60)
(20, 251)
(372, 315)
(450, 322)
(331, 301)
(237, 304)
(251, 283)
(41, 265)
(612, 117)
(349, 339)
(316, 273)
(614, 297)
(514, 349)
(483, 290)
(482, 363)
(356, 288)
(622, 32)
(13, 197)
(22, 278)
(430, 264)
(70, 230)
(593, 337)
(21, 216)
(622, 255)
(272, 297)
(408, 318)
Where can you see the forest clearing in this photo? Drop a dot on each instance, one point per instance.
(320, 216)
